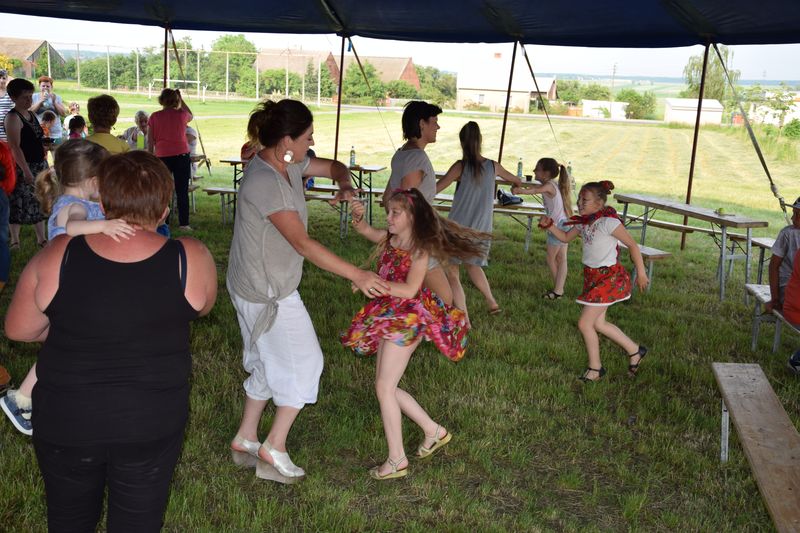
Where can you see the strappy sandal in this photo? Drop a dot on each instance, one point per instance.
(13, 245)
(495, 310)
(600, 373)
(551, 295)
(247, 458)
(42, 244)
(394, 473)
(641, 352)
(423, 452)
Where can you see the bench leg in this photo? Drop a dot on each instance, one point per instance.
(723, 454)
(776, 342)
(528, 234)
(756, 326)
(649, 274)
(760, 264)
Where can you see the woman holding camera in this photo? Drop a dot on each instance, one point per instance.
(25, 138)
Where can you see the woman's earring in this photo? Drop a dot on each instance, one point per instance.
(288, 156)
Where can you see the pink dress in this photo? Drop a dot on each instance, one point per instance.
(403, 320)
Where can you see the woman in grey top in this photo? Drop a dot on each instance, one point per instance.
(412, 169)
(270, 242)
(473, 206)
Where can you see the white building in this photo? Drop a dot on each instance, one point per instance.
(603, 109)
(684, 111)
(483, 82)
(766, 115)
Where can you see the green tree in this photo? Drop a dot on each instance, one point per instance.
(273, 81)
(327, 86)
(436, 86)
(355, 87)
(240, 59)
(570, 91)
(400, 89)
(640, 105)
(594, 91)
(716, 84)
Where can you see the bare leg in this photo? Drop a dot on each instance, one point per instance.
(459, 298)
(253, 410)
(414, 411)
(281, 424)
(561, 270)
(615, 334)
(38, 228)
(436, 281)
(13, 230)
(478, 278)
(586, 324)
(391, 364)
(26, 387)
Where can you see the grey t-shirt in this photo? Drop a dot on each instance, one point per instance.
(263, 267)
(405, 162)
(55, 130)
(786, 245)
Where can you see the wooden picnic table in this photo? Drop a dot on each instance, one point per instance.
(363, 174)
(238, 165)
(652, 204)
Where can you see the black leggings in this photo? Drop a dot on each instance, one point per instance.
(137, 475)
(181, 168)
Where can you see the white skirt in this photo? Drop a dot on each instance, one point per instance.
(285, 363)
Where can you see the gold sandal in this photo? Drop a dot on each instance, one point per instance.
(423, 452)
(394, 473)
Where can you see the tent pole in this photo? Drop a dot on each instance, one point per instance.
(694, 140)
(508, 102)
(339, 101)
(166, 51)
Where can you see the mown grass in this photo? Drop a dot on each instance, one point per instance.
(534, 450)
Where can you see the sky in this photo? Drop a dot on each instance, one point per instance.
(769, 62)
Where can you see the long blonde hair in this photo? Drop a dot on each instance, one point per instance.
(76, 160)
(551, 166)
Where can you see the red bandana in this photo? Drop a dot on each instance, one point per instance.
(607, 211)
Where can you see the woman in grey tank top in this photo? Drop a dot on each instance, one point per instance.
(412, 169)
(473, 206)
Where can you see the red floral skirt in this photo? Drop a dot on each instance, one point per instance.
(605, 285)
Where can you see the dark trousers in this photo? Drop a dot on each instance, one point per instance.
(137, 475)
(181, 168)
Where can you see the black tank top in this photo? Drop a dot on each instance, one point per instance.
(30, 138)
(116, 364)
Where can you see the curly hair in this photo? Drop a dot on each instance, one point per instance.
(438, 237)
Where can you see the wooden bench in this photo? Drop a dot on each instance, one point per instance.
(763, 244)
(682, 228)
(650, 255)
(770, 441)
(762, 295)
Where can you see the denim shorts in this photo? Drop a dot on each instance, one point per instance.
(552, 240)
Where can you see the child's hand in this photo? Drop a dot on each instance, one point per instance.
(642, 281)
(519, 190)
(545, 222)
(117, 228)
(357, 209)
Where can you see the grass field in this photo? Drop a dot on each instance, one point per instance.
(533, 449)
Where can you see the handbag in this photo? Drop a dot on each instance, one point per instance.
(507, 199)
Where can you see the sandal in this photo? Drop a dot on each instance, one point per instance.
(633, 369)
(248, 457)
(600, 373)
(423, 452)
(42, 244)
(551, 295)
(495, 310)
(394, 473)
(13, 245)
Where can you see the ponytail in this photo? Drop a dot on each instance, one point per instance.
(565, 186)
(47, 189)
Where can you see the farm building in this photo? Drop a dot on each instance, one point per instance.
(483, 82)
(31, 55)
(684, 111)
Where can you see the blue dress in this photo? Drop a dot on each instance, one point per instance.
(93, 212)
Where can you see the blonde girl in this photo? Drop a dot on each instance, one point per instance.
(556, 198)
(605, 280)
(393, 325)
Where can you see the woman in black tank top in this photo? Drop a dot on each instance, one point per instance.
(25, 140)
(112, 398)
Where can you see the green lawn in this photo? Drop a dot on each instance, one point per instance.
(533, 449)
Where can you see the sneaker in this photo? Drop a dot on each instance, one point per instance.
(187, 229)
(21, 418)
(794, 363)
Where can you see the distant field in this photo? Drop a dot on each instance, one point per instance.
(649, 158)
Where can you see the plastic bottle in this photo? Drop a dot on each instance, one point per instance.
(310, 183)
(519, 168)
(352, 156)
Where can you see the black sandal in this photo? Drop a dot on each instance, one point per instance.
(641, 352)
(551, 295)
(600, 373)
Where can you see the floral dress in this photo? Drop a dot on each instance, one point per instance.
(403, 320)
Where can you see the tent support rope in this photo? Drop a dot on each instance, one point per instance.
(508, 102)
(541, 100)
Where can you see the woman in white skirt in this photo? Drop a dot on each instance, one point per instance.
(270, 242)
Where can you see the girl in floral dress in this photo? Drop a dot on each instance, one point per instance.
(392, 326)
(605, 280)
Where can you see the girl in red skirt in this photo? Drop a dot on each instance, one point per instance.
(605, 280)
